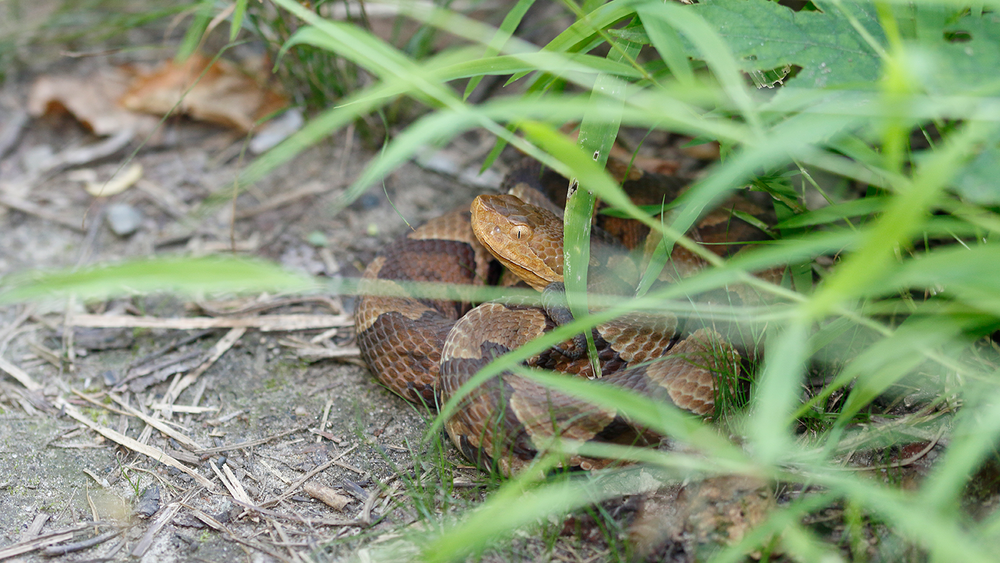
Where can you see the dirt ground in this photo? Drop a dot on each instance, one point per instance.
(302, 415)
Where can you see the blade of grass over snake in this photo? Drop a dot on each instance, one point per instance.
(708, 279)
(663, 418)
(512, 359)
(571, 162)
(597, 135)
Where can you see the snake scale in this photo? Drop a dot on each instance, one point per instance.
(424, 349)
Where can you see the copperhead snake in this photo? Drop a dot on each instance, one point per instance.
(424, 350)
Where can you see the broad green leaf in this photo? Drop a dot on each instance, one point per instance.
(952, 57)
(764, 35)
(977, 183)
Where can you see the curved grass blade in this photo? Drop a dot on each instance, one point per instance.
(190, 276)
(503, 34)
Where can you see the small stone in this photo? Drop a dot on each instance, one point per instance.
(123, 219)
(149, 503)
(277, 130)
(38, 158)
(110, 378)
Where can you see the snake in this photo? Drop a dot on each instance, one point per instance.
(425, 349)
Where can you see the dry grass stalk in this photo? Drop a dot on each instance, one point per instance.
(132, 444)
(220, 348)
(20, 375)
(183, 439)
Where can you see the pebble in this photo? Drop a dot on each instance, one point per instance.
(149, 503)
(123, 219)
(277, 130)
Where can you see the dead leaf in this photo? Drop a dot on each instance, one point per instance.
(92, 100)
(219, 92)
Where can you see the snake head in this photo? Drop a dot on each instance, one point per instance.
(527, 239)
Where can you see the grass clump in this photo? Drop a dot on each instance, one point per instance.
(900, 300)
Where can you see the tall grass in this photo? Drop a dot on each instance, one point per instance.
(893, 251)
(911, 292)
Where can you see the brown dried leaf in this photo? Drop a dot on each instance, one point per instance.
(219, 92)
(92, 100)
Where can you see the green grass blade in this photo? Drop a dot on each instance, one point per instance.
(188, 276)
(239, 12)
(503, 34)
(777, 391)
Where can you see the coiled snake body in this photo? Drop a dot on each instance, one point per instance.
(424, 350)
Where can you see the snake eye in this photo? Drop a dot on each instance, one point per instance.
(522, 231)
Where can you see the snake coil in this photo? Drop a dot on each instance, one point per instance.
(425, 349)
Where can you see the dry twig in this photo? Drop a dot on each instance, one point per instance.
(45, 540)
(54, 550)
